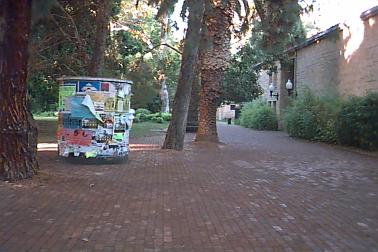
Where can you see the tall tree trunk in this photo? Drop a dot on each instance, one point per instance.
(192, 121)
(102, 30)
(18, 134)
(176, 130)
(218, 20)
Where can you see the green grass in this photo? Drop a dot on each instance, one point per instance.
(145, 129)
(45, 118)
(47, 129)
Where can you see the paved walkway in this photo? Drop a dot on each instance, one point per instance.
(259, 191)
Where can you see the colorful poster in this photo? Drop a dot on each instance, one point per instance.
(98, 99)
(78, 110)
(75, 137)
(70, 83)
(109, 104)
(120, 104)
(88, 124)
(105, 86)
(119, 124)
(64, 92)
(118, 136)
(87, 86)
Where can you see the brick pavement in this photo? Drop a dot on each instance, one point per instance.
(258, 191)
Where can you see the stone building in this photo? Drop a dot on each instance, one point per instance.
(340, 61)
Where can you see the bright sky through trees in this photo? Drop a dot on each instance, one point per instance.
(330, 12)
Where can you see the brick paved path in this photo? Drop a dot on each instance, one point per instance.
(259, 191)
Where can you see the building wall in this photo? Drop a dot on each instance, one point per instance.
(359, 60)
(343, 63)
(317, 65)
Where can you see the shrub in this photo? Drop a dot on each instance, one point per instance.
(142, 117)
(351, 122)
(326, 113)
(300, 117)
(45, 114)
(312, 118)
(142, 111)
(166, 116)
(258, 115)
(136, 119)
(357, 122)
(159, 119)
(151, 117)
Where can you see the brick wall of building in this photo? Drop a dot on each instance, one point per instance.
(345, 62)
(359, 63)
(317, 65)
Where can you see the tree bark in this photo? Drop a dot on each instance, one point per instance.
(176, 130)
(192, 121)
(102, 30)
(18, 133)
(214, 60)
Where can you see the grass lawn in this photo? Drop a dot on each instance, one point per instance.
(146, 129)
(47, 129)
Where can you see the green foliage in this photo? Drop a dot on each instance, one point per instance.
(240, 79)
(144, 115)
(155, 104)
(157, 119)
(271, 36)
(300, 118)
(166, 116)
(312, 117)
(352, 122)
(42, 93)
(45, 114)
(357, 122)
(152, 116)
(142, 110)
(136, 119)
(258, 115)
(62, 40)
(279, 28)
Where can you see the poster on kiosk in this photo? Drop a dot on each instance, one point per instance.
(94, 118)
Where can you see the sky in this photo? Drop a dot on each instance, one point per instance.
(330, 12)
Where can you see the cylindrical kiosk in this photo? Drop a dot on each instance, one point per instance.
(94, 118)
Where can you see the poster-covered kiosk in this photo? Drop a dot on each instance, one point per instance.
(94, 118)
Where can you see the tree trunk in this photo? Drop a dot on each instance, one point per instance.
(176, 130)
(218, 20)
(18, 133)
(192, 121)
(102, 30)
